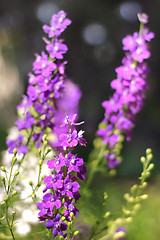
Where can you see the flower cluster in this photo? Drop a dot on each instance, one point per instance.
(46, 86)
(58, 206)
(130, 87)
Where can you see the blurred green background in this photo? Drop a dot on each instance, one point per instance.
(95, 50)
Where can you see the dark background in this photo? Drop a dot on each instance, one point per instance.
(94, 52)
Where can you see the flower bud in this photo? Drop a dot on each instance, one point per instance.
(112, 173)
(40, 162)
(144, 196)
(61, 237)
(13, 213)
(15, 151)
(3, 169)
(129, 219)
(71, 215)
(48, 150)
(76, 233)
(144, 185)
(45, 143)
(105, 196)
(33, 195)
(148, 151)
(6, 198)
(43, 176)
(14, 193)
(16, 173)
(119, 235)
(40, 151)
(39, 184)
(3, 179)
(14, 159)
(151, 166)
(44, 137)
(31, 183)
(126, 196)
(150, 156)
(107, 214)
(134, 188)
(143, 160)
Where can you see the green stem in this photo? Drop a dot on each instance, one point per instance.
(93, 170)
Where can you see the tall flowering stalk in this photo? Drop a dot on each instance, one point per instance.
(130, 88)
(58, 207)
(46, 84)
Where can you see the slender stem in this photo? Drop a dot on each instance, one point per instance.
(94, 169)
(9, 226)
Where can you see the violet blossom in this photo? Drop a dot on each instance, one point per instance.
(130, 88)
(46, 86)
(58, 204)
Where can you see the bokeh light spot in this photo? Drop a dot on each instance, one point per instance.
(46, 10)
(129, 10)
(94, 34)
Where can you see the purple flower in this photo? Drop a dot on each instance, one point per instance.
(46, 84)
(18, 144)
(56, 48)
(58, 24)
(62, 183)
(27, 122)
(130, 87)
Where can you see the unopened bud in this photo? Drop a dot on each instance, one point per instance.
(150, 156)
(71, 215)
(31, 183)
(15, 152)
(16, 173)
(126, 212)
(40, 151)
(151, 166)
(33, 196)
(61, 237)
(76, 233)
(45, 143)
(126, 196)
(43, 176)
(44, 137)
(119, 235)
(143, 160)
(3, 179)
(134, 188)
(6, 198)
(107, 214)
(144, 196)
(148, 174)
(14, 193)
(40, 162)
(112, 173)
(129, 219)
(148, 151)
(48, 150)
(105, 196)
(13, 213)
(3, 169)
(137, 206)
(14, 160)
(144, 184)
(69, 224)
(39, 184)
(131, 200)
